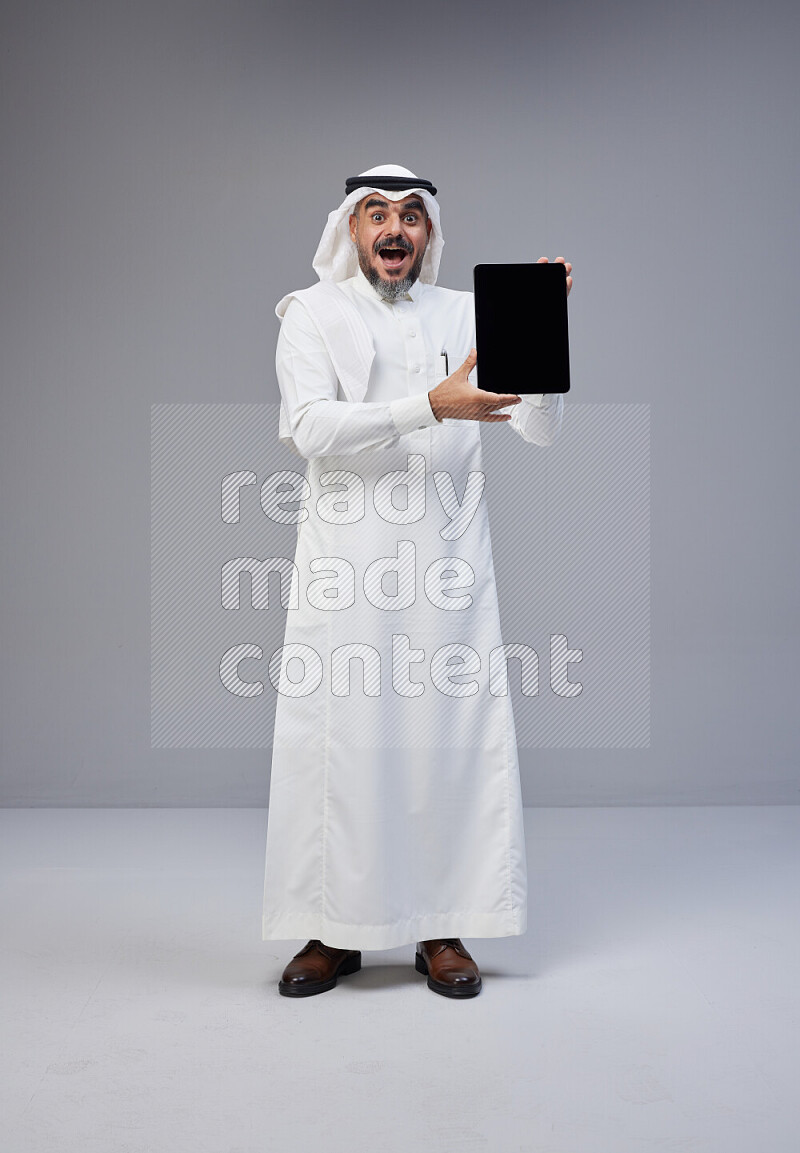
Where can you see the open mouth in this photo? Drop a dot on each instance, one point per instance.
(393, 257)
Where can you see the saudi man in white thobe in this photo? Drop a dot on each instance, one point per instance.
(395, 811)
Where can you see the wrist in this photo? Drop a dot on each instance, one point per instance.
(433, 406)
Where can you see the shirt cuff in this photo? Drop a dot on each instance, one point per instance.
(412, 412)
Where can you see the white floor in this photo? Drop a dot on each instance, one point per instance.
(651, 1006)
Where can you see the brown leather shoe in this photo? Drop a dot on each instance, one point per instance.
(317, 967)
(451, 970)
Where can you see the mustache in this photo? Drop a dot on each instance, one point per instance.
(400, 242)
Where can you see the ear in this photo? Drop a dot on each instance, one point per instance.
(353, 221)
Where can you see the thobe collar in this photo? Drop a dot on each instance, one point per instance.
(362, 285)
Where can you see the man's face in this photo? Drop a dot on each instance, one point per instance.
(391, 237)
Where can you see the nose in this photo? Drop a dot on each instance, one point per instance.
(395, 224)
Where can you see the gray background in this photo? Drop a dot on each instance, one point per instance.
(167, 169)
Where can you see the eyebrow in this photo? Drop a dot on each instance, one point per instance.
(413, 205)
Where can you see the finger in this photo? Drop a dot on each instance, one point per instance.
(470, 362)
(569, 267)
(497, 399)
(569, 284)
(495, 416)
(560, 260)
(542, 260)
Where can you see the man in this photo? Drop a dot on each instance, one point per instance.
(395, 805)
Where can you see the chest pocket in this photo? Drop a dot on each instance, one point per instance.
(437, 372)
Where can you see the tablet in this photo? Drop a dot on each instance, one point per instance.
(521, 327)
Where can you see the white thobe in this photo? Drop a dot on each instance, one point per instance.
(395, 809)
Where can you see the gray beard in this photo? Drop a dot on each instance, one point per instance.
(391, 289)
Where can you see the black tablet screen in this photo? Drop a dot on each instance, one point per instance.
(521, 327)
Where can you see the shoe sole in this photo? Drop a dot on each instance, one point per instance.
(349, 965)
(440, 987)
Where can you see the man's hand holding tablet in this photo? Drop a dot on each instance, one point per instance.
(457, 399)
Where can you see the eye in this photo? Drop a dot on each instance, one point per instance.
(377, 216)
(411, 218)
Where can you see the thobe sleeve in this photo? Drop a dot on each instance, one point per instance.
(321, 425)
(537, 417)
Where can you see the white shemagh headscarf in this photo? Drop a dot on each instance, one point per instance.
(336, 257)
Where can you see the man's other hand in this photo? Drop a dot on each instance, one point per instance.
(456, 398)
(559, 260)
